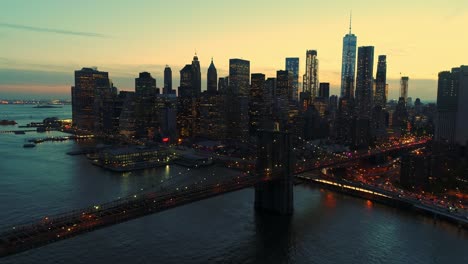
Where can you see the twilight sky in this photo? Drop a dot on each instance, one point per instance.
(43, 42)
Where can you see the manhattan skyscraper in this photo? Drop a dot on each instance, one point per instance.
(292, 65)
(404, 88)
(196, 75)
(239, 76)
(238, 102)
(381, 82)
(145, 85)
(89, 83)
(310, 83)
(452, 94)
(257, 104)
(212, 79)
(167, 80)
(348, 64)
(364, 81)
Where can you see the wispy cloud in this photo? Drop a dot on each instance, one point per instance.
(53, 30)
(4, 60)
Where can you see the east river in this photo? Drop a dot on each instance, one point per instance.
(326, 227)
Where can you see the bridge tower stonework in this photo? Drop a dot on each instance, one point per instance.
(274, 166)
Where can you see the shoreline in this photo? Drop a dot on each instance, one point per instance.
(386, 199)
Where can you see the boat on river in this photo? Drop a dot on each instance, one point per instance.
(48, 106)
(5, 122)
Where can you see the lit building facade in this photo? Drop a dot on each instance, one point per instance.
(186, 82)
(381, 92)
(447, 106)
(145, 85)
(166, 108)
(238, 99)
(310, 83)
(239, 76)
(210, 116)
(127, 117)
(292, 65)
(189, 90)
(364, 93)
(348, 63)
(452, 109)
(133, 158)
(257, 105)
(404, 88)
(400, 118)
(345, 117)
(146, 121)
(91, 86)
(282, 97)
(364, 81)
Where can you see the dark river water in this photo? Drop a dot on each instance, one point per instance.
(326, 227)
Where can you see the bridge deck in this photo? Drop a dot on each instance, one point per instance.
(52, 229)
(17, 131)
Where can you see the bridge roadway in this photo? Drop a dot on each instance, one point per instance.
(50, 229)
(334, 161)
(17, 131)
(55, 228)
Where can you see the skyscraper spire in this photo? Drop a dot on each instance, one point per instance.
(212, 79)
(350, 20)
(348, 62)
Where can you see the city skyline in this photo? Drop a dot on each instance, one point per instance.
(233, 132)
(126, 47)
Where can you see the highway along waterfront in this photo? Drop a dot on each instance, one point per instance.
(383, 196)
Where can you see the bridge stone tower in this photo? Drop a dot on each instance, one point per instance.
(274, 166)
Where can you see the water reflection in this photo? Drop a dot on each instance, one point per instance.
(274, 239)
(330, 200)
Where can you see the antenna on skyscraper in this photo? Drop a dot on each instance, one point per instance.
(350, 20)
